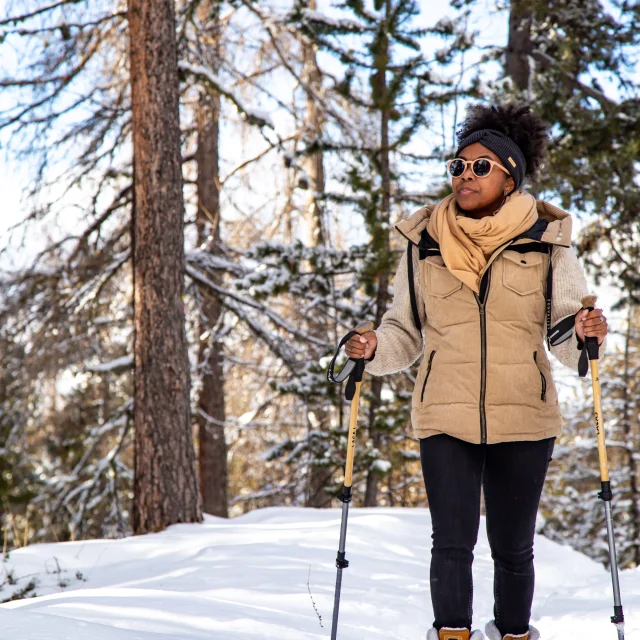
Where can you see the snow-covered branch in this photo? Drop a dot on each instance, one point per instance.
(254, 116)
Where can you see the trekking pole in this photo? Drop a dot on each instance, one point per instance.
(591, 350)
(353, 370)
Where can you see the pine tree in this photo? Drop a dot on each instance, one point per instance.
(575, 63)
(73, 305)
(18, 478)
(320, 470)
(165, 488)
(70, 128)
(390, 84)
(212, 446)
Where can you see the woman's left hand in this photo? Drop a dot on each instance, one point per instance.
(591, 324)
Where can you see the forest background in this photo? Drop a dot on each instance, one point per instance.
(305, 129)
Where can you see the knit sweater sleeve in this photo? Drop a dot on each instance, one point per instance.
(400, 343)
(569, 287)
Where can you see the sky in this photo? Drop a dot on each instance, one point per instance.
(11, 179)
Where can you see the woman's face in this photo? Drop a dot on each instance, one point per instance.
(475, 194)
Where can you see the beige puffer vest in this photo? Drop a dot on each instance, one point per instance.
(485, 376)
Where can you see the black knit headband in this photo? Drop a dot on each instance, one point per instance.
(504, 147)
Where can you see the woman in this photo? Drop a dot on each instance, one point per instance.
(476, 278)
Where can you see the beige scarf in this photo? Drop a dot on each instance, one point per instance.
(467, 244)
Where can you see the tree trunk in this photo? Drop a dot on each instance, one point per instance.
(371, 495)
(315, 163)
(319, 475)
(630, 426)
(165, 485)
(212, 445)
(517, 65)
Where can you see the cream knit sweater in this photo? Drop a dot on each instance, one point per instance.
(400, 344)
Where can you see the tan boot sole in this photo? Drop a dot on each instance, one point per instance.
(454, 634)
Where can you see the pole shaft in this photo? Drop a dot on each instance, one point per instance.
(612, 554)
(618, 617)
(354, 373)
(336, 605)
(343, 527)
(341, 549)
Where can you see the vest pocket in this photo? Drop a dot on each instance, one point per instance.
(426, 377)
(440, 281)
(522, 272)
(543, 380)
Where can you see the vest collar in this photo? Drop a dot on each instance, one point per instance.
(558, 229)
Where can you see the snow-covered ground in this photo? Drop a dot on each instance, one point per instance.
(259, 576)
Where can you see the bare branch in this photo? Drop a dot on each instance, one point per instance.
(68, 25)
(37, 12)
(547, 61)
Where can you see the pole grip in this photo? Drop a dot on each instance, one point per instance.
(597, 414)
(351, 442)
(365, 326)
(589, 303)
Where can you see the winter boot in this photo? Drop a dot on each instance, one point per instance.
(493, 634)
(447, 633)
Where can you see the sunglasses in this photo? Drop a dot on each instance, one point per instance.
(481, 167)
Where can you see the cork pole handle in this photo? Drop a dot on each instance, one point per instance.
(589, 302)
(365, 326)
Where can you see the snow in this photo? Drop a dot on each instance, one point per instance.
(125, 362)
(258, 116)
(259, 576)
(382, 466)
(342, 24)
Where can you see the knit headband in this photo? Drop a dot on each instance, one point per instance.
(504, 147)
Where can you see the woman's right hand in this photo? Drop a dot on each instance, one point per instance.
(362, 346)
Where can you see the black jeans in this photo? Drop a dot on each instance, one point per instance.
(512, 475)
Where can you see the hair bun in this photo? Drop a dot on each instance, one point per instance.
(515, 120)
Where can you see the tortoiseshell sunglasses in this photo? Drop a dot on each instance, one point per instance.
(481, 167)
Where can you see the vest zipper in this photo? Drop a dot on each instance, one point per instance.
(483, 344)
(424, 384)
(543, 380)
(483, 357)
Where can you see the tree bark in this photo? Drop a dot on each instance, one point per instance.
(517, 65)
(315, 163)
(212, 445)
(630, 426)
(165, 485)
(371, 494)
(319, 475)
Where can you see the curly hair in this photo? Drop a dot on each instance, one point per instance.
(517, 121)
